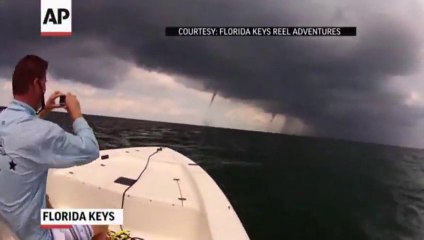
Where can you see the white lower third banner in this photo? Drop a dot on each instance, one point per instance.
(63, 218)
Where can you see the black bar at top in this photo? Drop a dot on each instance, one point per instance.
(330, 31)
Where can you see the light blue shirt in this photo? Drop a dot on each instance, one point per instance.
(29, 146)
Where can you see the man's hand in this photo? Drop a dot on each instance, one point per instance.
(50, 104)
(73, 106)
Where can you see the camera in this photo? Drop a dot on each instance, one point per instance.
(62, 100)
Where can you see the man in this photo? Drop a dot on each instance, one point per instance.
(29, 146)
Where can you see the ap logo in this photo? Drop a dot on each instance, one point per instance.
(56, 17)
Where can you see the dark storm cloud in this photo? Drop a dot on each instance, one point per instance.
(81, 57)
(336, 86)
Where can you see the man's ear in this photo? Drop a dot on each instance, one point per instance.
(36, 82)
(33, 83)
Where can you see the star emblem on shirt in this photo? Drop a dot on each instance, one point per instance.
(12, 165)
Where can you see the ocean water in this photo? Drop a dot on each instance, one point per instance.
(287, 187)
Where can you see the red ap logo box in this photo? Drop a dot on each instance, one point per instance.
(56, 18)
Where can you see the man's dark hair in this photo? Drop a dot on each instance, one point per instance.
(28, 68)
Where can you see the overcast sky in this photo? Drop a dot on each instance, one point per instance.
(118, 61)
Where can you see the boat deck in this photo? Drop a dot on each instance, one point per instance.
(174, 198)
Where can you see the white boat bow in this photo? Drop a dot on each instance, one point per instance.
(173, 199)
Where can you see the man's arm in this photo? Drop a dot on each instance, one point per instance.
(61, 149)
(50, 104)
(56, 148)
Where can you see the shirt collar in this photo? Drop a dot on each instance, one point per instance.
(21, 106)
